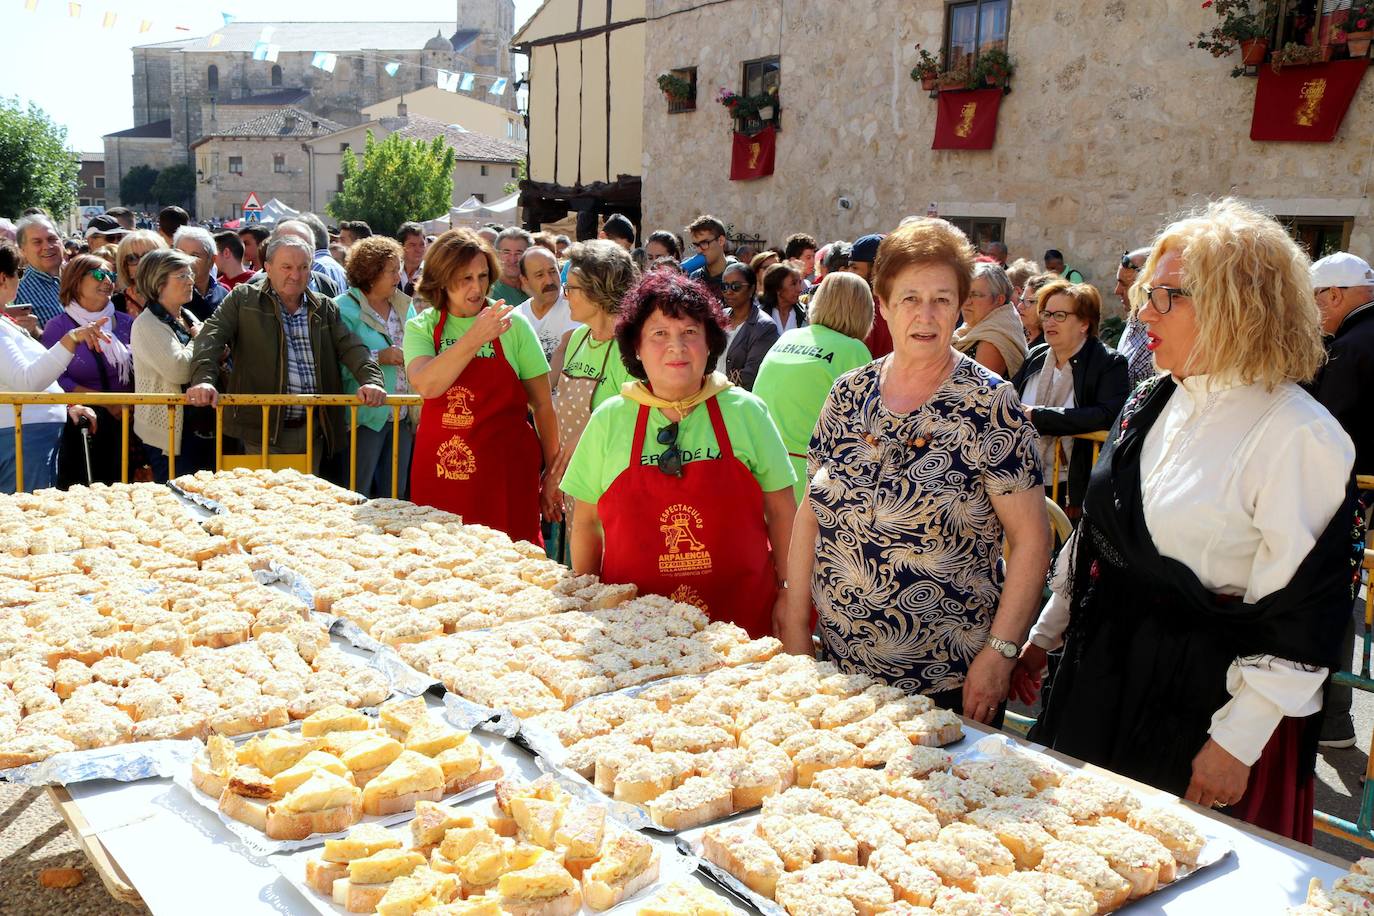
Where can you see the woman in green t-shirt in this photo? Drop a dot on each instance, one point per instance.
(587, 368)
(481, 371)
(797, 373)
(699, 507)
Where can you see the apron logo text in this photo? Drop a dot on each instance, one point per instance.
(458, 414)
(455, 461)
(687, 554)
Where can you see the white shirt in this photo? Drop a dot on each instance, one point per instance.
(26, 365)
(1237, 483)
(1033, 385)
(556, 322)
(790, 324)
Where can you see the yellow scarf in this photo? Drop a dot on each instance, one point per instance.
(639, 392)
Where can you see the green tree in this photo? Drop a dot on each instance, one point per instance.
(398, 180)
(513, 186)
(136, 187)
(174, 185)
(36, 169)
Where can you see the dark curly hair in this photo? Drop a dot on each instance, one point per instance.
(676, 296)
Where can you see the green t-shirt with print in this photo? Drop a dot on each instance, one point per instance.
(604, 450)
(588, 357)
(512, 295)
(519, 342)
(794, 379)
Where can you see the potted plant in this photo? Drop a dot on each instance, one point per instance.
(1359, 28)
(768, 104)
(927, 69)
(957, 77)
(1246, 24)
(675, 87)
(993, 67)
(1294, 54)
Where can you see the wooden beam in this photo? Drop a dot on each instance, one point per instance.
(577, 35)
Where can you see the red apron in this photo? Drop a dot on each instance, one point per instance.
(475, 452)
(699, 538)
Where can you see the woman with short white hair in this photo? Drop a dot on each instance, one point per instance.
(1203, 599)
(991, 333)
(162, 338)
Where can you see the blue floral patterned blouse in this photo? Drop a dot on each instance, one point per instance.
(909, 557)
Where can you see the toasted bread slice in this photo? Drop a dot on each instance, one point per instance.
(321, 875)
(627, 865)
(297, 825)
(336, 718)
(251, 811)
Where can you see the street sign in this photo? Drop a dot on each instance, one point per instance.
(252, 216)
(252, 202)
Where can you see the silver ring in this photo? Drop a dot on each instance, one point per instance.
(1218, 805)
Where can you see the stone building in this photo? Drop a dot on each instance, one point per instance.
(266, 156)
(586, 110)
(148, 144)
(471, 114)
(189, 83)
(482, 166)
(90, 180)
(1113, 125)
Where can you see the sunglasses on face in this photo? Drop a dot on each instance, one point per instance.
(670, 462)
(101, 275)
(1126, 262)
(734, 287)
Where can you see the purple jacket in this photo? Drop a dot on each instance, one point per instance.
(84, 369)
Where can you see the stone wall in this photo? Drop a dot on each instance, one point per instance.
(1113, 125)
(123, 153)
(220, 194)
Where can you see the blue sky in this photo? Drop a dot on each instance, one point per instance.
(81, 73)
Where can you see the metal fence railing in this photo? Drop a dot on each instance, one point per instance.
(311, 403)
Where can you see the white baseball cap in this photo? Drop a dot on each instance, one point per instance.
(1341, 269)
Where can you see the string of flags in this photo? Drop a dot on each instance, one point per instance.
(264, 49)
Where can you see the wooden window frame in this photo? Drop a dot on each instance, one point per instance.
(689, 104)
(966, 224)
(1295, 223)
(232, 170)
(978, 26)
(754, 125)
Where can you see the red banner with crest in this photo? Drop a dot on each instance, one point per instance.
(1305, 103)
(752, 155)
(967, 120)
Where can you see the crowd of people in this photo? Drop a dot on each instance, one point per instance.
(848, 445)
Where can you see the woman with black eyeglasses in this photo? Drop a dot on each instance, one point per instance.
(1071, 384)
(749, 333)
(1202, 600)
(85, 290)
(699, 508)
(131, 250)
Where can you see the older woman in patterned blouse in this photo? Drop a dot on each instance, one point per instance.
(920, 463)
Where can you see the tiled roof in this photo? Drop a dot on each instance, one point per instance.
(468, 146)
(325, 36)
(274, 124)
(280, 97)
(152, 130)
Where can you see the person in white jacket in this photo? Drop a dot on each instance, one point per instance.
(161, 340)
(28, 366)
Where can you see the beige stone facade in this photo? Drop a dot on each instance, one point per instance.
(1113, 124)
(470, 113)
(266, 156)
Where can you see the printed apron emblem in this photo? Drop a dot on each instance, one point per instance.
(458, 414)
(685, 594)
(454, 460)
(686, 554)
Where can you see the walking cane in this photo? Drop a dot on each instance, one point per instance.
(84, 425)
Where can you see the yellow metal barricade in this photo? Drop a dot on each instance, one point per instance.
(264, 458)
(1095, 438)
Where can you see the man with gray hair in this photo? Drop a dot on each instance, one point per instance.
(320, 282)
(284, 339)
(1140, 362)
(511, 243)
(324, 261)
(206, 293)
(41, 246)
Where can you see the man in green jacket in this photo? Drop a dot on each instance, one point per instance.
(282, 339)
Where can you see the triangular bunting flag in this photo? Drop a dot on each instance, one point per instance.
(324, 61)
(145, 25)
(109, 21)
(273, 51)
(260, 51)
(498, 87)
(215, 39)
(392, 68)
(467, 81)
(228, 17)
(30, 5)
(74, 10)
(441, 78)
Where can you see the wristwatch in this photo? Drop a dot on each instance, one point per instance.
(1005, 649)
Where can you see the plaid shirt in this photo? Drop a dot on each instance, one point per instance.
(40, 291)
(1140, 362)
(300, 358)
